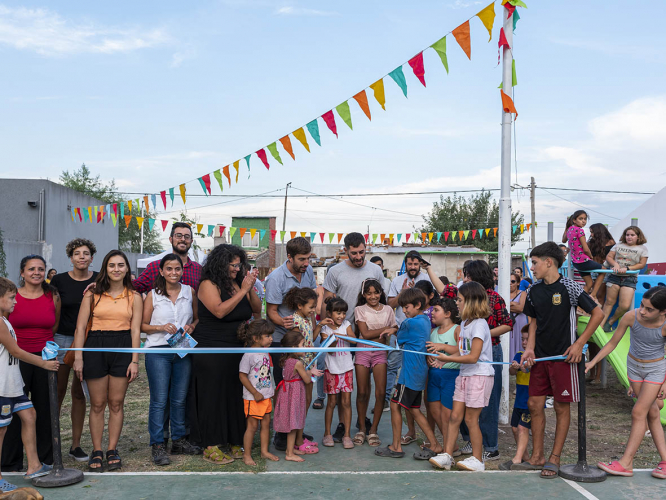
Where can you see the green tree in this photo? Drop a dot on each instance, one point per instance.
(3, 257)
(183, 217)
(479, 211)
(129, 238)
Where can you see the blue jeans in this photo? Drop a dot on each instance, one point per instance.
(321, 365)
(489, 419)
(169, 381)
(393, 365)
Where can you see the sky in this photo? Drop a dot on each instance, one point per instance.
(156, 93)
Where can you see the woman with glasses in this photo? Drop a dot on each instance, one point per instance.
(35, 319)
(519, 319)
(226, 300)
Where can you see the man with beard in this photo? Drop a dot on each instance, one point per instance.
(295, 272)
(181, 241)
(411, 276)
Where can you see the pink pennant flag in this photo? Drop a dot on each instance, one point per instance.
(416, 63)
(262, 156)
(163, 196)
(501, 43)
(206, 181)
(330, 121)
(164, 224)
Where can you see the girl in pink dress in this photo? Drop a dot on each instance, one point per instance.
(290, 409)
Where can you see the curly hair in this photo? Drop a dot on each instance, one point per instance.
(77, 243)
(216, 267)
(297, 297)
(599, 238)
(251, 333)
(449, 305)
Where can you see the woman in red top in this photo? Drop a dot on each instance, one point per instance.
(34, 319)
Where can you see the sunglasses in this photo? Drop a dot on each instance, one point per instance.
(514, 281)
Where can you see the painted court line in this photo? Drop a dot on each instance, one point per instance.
(580, 489)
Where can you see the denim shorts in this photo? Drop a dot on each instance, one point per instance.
(619, 280)
(63, 341)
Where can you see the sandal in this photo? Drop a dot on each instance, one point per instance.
(307, 449)
(660, 470)
(215, 456)
(359, 438)
(614, 468)
(389, 453)
(550, 467)
(113, 455)
(347, 443)
(309, 441)
(424, 454)
(373, 440)
(6, 486)
(318, 404)
(96, 459)
(43, 471)
(328, 441)
(405, 440)
(236, 452)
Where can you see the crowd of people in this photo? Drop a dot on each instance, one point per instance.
(214, 404)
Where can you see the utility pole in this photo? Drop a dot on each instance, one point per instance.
(532, 228)
(504, 250)
(284, 218)
(142, 216)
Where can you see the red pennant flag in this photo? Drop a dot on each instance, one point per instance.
(163, 196)
(99, 215)
(273, 233)
(330, 121)
(321, 235)
(461, 34)
(115, 209)
(78, 211)
(407, 235)
(501, 43)
(507, 104)
(416, 63)
(293, 234)
(225, 171)
(222, 228)
(446, 235)
(473, 233)
(206, 180)
(164, 224)
(362, 99)
(366, 238)
(262, 156)
(509, 8)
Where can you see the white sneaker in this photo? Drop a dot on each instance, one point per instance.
(549, 402)
(442, 461)
(466, 449)
(471, 463)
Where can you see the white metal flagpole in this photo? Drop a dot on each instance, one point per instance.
(504, 252)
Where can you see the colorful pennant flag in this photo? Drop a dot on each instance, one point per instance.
(183, 189)
(487, 17)
(218, 176)
(313, 128)
(272, 147)
(416, 64)
(242, 231)
(461, 34)
(164, 224)
(262, 156)
(163, 196)
(286, 144)
(211, 228)
(199, 229)
(507, 104)
(302, 138)
(329, 119)
(225, 171)
(378, 89)
(139, 221)
(362, 99)
(236, 167)
(345, 113)
(171, 195)
(399, 77)
(440, 47)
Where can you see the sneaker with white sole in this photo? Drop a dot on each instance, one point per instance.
(472, 464)
(466, 449)
(550, 402)
(442, 461)
(489, 456)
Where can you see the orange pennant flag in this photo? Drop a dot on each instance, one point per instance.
(378, 89)
(340, 237)
(286, 144)
(423, 237)
(362, 99)
(242, 231)
(460, 234)
(139, 221)
(461, 33)
(507, 104)
(225, 171)
(381, 237)
(495, 231)
(128, 219)
(300, 135)
(293, 234)
(145, 203)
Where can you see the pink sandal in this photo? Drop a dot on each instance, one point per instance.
(307, 449)
(615, 469)
(660, 471)
(311, 443)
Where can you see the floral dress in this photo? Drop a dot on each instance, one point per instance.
(304, 325)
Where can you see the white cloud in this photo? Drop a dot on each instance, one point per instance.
(463, 4)
(299, 11)
(180, 56)
(47, 33)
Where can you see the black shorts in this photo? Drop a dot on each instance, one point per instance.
(521, 416)
(406, 397)
(101, 364)
(586, 268)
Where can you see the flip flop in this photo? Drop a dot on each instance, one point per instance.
(424, 454)
(405, 440)
(389, 453)
(506, 465)
(526, 466)
(551, 467)
(43, 471)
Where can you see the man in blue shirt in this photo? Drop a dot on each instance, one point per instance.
(413, 334)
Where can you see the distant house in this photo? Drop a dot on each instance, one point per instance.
(260, 251)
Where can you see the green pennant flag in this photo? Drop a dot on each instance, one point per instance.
(282, 233)
(514, 78)
(345, 114)
(440, 48)
(399, 78)
(465, 234)
(171, 195)
(218, 177)
(439, 235)
(247, 160)
(453, 235)
(232, 231)
(374, 237)
(416, 236)
(262, 233)
(274, 152)
(313, 128)
(330, 237)
(151, 223)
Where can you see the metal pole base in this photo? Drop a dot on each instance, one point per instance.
(582, 473)
(56, 478)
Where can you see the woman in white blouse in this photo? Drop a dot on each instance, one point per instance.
(167, 308)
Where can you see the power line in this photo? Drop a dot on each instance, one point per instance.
(594, 190)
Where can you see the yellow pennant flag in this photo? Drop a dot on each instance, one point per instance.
(252, 232)
(487, 231)
(522, 228)
(199, 228)
(129, 205)
(378, 89)
(182, 192)
(300, 135)
(487, 17)
(302, 234)
(391, 238)
(430, 237)
(236, 165)
(139, 221)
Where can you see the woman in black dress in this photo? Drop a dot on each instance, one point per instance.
(226, 299)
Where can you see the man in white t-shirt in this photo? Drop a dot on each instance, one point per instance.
(411, 276)
(386, 284)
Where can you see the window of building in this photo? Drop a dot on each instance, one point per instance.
(249, 242)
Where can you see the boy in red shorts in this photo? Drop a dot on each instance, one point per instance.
(552, 303)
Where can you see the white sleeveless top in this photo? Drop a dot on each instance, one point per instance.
(165, 312)
(11, 382)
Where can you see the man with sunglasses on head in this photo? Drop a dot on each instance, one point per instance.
(181, 241)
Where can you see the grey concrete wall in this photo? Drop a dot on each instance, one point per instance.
(20, 223)
(133, 258)
(15, 251)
